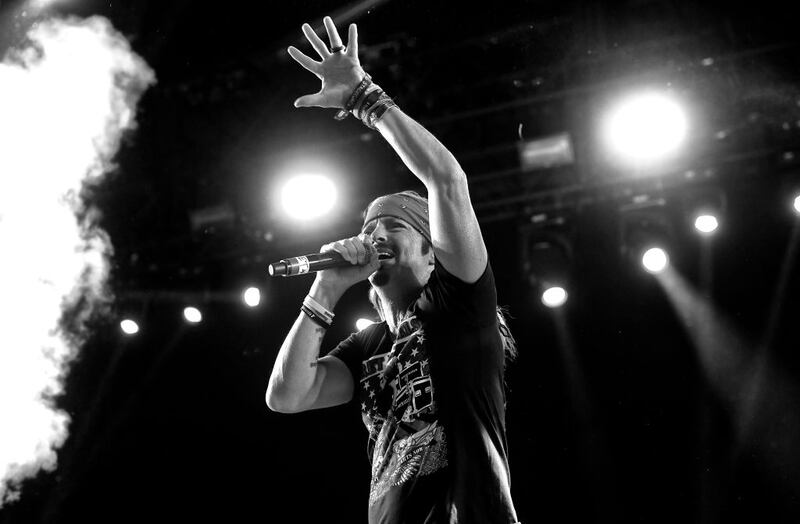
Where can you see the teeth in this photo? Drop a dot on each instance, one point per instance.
(384, 256)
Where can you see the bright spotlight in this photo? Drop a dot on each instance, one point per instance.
(797, 204)
(646, 128)
(554, 297)
(363, 323)
(129, 327)
(252, 296)
(308, 196)
(706, 224)
(193, 315)
(655, 260)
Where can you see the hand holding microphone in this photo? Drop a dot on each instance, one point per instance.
(346, 261)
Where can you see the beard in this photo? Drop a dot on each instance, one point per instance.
(379, 278)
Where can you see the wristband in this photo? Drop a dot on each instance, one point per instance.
(354, 96)
(313, 316)
(369, 97)
(320, 310)
(373, 114)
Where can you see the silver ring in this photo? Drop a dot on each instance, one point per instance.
(337, 49)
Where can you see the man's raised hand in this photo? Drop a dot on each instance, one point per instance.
(339, 71)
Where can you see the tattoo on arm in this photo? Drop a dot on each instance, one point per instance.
(320, 332)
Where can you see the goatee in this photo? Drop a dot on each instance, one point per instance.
(379, 278)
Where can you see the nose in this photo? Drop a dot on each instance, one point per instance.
(379, 233)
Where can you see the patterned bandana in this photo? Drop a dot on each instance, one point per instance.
(406, 205)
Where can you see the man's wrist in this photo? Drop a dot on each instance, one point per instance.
(325, 293)
(354, 96)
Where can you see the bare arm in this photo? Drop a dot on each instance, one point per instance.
(457, 239)
(456, 235)
(300, 380)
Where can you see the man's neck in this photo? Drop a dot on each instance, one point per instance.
(394, 304)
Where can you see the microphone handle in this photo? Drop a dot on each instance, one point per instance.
(289, 267)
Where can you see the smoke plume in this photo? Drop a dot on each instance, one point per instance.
(66, 98)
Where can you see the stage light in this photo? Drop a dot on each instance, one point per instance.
(645, 128)
(546, 152)
(655, 260)
(213, 218)
(797, 204)
(129, 327)
(554, 297)
(705, 208)
(547, 255)
(706, 224)
(363, 323)
(647, 232)
(305, 197)
(192, 315)
(252, 296)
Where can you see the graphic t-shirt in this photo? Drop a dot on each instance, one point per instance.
(433, 402)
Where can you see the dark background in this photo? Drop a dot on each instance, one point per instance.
(612, 415)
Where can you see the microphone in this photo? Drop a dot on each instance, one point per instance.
(289, 267)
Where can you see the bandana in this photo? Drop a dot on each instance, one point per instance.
(406, 205)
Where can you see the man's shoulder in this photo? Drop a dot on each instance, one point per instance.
(371, 335)
(442, 277)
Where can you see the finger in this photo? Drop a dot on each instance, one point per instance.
(352, 41)
(360, 250)
(340, 248)
(314, 100)
(372, 252)
(316, 42)
(367, 239)
(352, 253)
(304, 60)
(333, 33)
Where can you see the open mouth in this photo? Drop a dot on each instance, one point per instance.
(385, 256)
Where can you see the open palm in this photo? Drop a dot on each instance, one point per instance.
(340, 72)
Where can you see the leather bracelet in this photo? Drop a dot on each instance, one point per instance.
(371, 116)
(313, 316)
(367, 102)
(354, 96)
(320, 310)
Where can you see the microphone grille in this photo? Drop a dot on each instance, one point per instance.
(278, 269)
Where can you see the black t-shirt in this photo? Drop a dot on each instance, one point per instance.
(434, 405)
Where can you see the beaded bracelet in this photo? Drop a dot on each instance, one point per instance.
(376, 112)
(369, 97)
(354, 96)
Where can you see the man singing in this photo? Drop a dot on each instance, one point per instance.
(429, 378)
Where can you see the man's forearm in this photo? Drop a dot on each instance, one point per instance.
(422, 153)
(293, 375)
